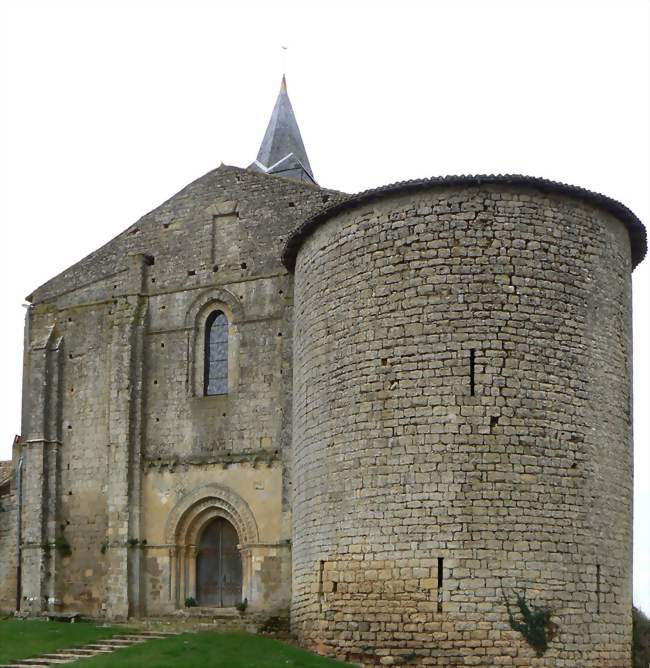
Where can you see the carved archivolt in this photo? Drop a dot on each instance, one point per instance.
(192, 512)
(211, 299)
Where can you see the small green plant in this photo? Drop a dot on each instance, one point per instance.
(640, 639)
(103, 547)
(133, 542)
(242, 606)
(190, 602)
(276, 624)
(62, 545)
(534, 624)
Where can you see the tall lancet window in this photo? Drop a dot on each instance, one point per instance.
(216, 354)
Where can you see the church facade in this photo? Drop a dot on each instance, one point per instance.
(388, 413)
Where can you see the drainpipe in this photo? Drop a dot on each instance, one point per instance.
(19, 536)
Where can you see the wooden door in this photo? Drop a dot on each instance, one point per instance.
(218, 566)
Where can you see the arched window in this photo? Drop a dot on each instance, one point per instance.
(215, 376)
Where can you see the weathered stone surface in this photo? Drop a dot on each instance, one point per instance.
(457, 363)
(118, 432)
(8, 537)
(519, 478)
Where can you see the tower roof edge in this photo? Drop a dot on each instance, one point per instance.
(634, 226)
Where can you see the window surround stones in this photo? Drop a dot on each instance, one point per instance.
(215, 299)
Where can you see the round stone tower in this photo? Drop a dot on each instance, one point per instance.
(462, 424)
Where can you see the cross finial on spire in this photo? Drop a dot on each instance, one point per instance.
(282, 151)
(284, 63)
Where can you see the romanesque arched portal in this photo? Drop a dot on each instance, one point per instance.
(211, 531)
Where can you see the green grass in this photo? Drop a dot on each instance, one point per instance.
(22, 638)
(210, 650)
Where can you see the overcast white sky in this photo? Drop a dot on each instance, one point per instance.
(109, 111)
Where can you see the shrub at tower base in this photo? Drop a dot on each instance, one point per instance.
(640, 640)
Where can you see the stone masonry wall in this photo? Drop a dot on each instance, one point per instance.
(8, 531)
(462, 429)
(129, 434)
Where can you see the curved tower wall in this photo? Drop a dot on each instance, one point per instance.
(462, 392)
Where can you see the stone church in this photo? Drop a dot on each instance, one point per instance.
(385, 414)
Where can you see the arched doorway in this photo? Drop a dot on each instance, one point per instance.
(186, 525)
(218, 565)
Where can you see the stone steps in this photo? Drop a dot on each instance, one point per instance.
(95, 648)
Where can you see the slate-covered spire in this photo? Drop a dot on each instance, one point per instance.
(282, 151)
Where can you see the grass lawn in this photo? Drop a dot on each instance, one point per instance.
(210, 650)
(22, 638)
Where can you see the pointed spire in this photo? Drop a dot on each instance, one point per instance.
(282, 151)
